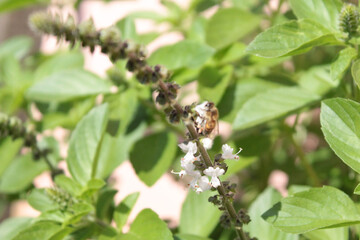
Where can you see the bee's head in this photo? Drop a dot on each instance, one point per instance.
(209, 105)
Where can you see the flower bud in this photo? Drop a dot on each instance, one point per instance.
(110, 35)
(349, 19)
(160, 98)
(174, 117)
(41, 22)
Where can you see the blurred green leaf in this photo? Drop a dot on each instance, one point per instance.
(127, 28)
(197, 209)
(342, 63)
(235, 96)
(228, 25)
(20, 174)
(186, 53)
(213, 81)
(59, 62)
(105, 204)
(197, 30)
(39, 230)
(272, 104)
(141, 229)
(67, 85)
(8, 150)
(68, 184)
(84, 144)
(123, 209)
(340, 119)
(325, 12)
(340, 233)
(18, 46)
(355, 71)
(152, 160)
(291, 38)
(318, 80)
(189, 237)
(10, 227)
(231, 54)
(147, 38)
(39, 200)
(262, 203)
(317, 208)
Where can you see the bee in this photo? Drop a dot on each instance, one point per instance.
(206, 122)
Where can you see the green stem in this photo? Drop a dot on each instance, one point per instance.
(305, 162)
(207, 160)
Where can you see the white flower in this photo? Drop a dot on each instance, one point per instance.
(228, 152)
(190, 147)
(214, 173)
(207, 142)
(203, 184)
(187, 162)
(201, 109)
(181, 173)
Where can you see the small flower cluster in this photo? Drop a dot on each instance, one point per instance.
(193, 167)
(14, 128)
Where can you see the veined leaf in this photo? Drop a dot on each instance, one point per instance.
(317, 208)
(355, 71)
(262, 203)
(272, 104)
(84, 144)
(122, 211)
(291, 38)
(340, 123)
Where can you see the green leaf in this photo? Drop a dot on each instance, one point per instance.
(39, 230)
(142, 230)
(78, 210)
(8, 150)
(115, 150)
(357, 189)
(105, 204)
(340, 123)
(341, 233)
(68, 184)
(84, 144)
(317, 208)
(20, 174)
(230, 54)
(17, 47)
(127, 28)
(150, 160)
(10, 227)
(236, 96)
(67, 85)
(272, 104)
(212, 82)
(197, 209)
(59, 62)
(189, 237)
(227, 25)
(39, 200)
(318, 80)
(342, 63)
(262, 203)
(186, 53)
(325, 12)
(355, 71)
(291, 38)
(122, 211)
